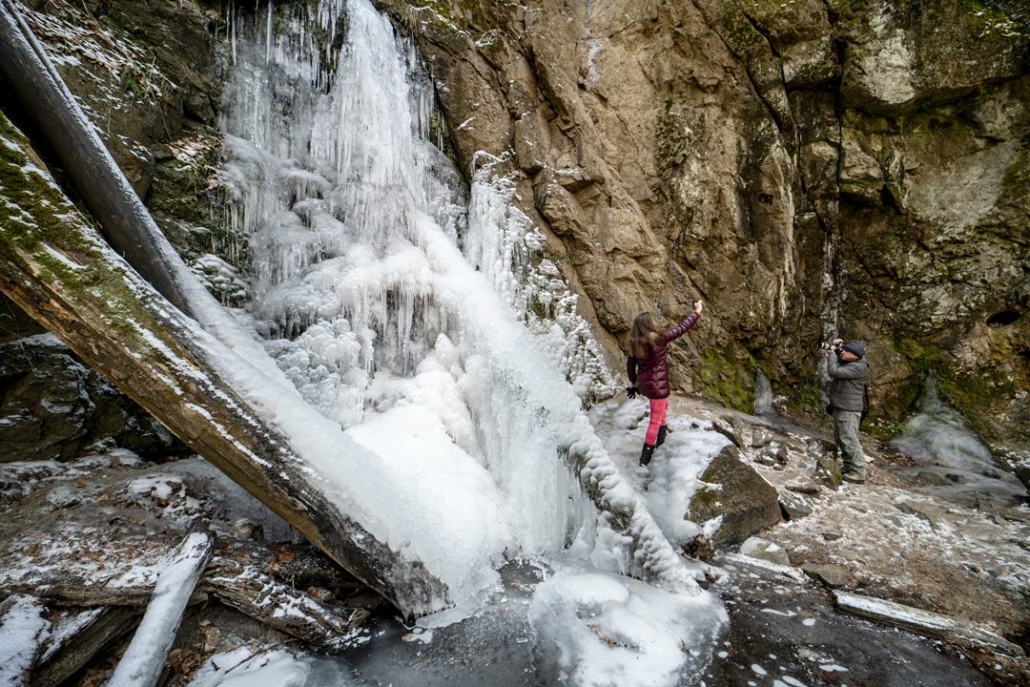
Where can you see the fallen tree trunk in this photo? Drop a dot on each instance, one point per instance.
(924, 622)
(144, 660)
(56, 268)
(248, 590)
(125, 222)
(264, 599)
(92, 631)
(239, 575)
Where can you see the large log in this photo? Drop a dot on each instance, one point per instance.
(55, 266)
(125, 222)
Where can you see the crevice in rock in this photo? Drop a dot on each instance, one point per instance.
(1004, 318)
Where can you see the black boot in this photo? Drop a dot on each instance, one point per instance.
(662, 431)
(645, 455)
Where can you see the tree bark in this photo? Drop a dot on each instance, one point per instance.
(56, 268)
(124, 219)
(102, 629)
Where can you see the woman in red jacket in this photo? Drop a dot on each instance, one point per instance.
(649, 372)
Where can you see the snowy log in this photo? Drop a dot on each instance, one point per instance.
(235, 583)
(23, 630)
(78, 639)
(654, 559)
(56, 268)
(277, 605)
(126, 223)
(144, 660)
(924, 622)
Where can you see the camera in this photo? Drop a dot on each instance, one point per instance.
(836, 348)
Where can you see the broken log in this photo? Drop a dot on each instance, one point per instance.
(263, 598)
(23, 631)
(81, 637)
(238, 584)
(57, 269)
(144, 660)
(923, 622)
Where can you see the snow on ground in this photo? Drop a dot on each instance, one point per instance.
(613, 630)
(245, 667)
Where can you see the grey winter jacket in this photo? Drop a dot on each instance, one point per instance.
(848, 385)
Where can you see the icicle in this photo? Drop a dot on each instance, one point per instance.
(268, 32)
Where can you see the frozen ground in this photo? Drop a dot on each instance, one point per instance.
(551, 622)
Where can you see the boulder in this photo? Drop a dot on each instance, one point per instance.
(765, 550)
(52, 407)
(738, 495)
(794, 505)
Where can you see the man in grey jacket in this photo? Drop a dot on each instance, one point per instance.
(849, 373)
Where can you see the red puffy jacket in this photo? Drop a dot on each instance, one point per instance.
(650, 374)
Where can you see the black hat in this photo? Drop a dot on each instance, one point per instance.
(856, 347)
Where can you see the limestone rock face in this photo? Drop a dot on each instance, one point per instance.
(808, 168)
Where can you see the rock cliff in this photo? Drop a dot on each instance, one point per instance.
(807, 167)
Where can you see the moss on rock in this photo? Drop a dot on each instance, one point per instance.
(726, 379)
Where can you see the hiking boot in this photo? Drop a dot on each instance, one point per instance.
(662, 432)
(852, 477)
(645, 454)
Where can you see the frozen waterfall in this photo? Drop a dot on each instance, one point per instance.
(352, 218)
(461, 372)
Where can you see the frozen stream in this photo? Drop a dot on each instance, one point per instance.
(783, 634)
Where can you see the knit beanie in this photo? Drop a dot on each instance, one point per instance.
(856, 347)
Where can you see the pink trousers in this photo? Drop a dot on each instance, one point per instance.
(659, 406)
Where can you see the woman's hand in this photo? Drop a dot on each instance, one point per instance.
(697, 306)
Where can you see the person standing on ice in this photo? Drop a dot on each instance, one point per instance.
(648, 372)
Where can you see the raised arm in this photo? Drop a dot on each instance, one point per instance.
(681, 329)
(856, 370)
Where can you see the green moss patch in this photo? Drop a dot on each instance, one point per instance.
(727, 380)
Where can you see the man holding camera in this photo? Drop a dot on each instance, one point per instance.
(849, 372)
